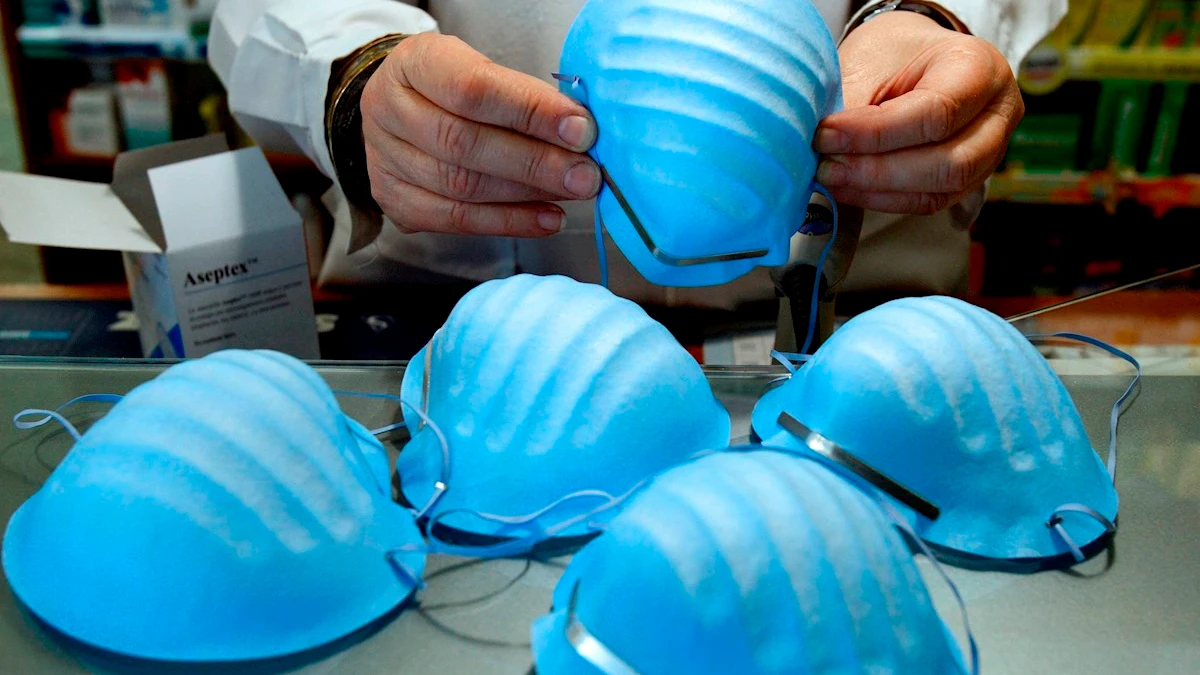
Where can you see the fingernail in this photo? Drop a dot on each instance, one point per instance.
(552, 221)
(831, 140)
(583, 180)
(579, 133)
(832, 172)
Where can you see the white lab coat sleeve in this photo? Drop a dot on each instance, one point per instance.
(1013, 26)
(275, 56)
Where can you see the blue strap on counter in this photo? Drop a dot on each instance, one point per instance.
(1056, 525)
(815, 307)
(442, 485)
(1118, 408)
(56, 414)
(1056, 519)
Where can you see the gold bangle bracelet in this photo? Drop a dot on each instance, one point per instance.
(343, 118)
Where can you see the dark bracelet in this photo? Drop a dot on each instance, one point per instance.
(343, 119)
(940, 16)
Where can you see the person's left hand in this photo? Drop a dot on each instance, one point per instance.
(927, 120)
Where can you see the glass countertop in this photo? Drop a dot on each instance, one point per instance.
(1136, 610)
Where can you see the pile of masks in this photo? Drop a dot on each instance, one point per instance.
(229, 510)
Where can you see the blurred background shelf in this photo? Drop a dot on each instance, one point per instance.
(1105, 188)
(1159, 64)
(83, 41)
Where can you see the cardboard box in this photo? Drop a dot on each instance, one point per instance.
(214, 252)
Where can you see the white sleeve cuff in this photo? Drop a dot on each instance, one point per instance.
(1013, 26)
(279, 79)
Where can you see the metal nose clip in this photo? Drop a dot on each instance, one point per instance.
(588, 647)
(657, 251)
(830, 450)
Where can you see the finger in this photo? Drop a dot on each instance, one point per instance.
(482, 148)
(957, 165)
(459, 79)
(415, 209)
(906, 203)
(952, 91)
(412, 165)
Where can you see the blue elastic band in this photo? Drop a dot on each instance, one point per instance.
(789, 360)
(520, 546)
(1056, 521)
(814, 308)
(578, 86)
(389, 428)
(1056, 526)
(56, 414)
(1118, 408)
(440, 487)
(400, 569)
(901, 523)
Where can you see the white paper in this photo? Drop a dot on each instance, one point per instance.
(71, 214)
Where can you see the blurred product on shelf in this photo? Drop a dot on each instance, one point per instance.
(1115, 22)
(145, 101)
(1046, 142)
(1109, 95)
(1118, 131)
(1166, 131)
(1167, 24)
(59, 12)
(157, 13)
(88, 127)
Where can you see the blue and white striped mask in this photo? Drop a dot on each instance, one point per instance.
(707, 110)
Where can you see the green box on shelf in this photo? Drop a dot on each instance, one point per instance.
(1045, 142)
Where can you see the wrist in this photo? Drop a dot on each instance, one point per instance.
(343, 117)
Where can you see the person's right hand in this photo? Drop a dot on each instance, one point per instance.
(458, 144)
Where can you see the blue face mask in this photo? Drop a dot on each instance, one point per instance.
(956, 407)
(750, 562)
(548, 394)
(224, 511)
(707, 111)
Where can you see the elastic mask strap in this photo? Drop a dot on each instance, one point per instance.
(441, 486)
(388, 429)
(1055, 523)
(578, 87)
(56, 414)
(901, 523)
(401, 570)
(519, 546)
(789, 360)
(814, 308)
(1118, 408)
(1056, 526)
